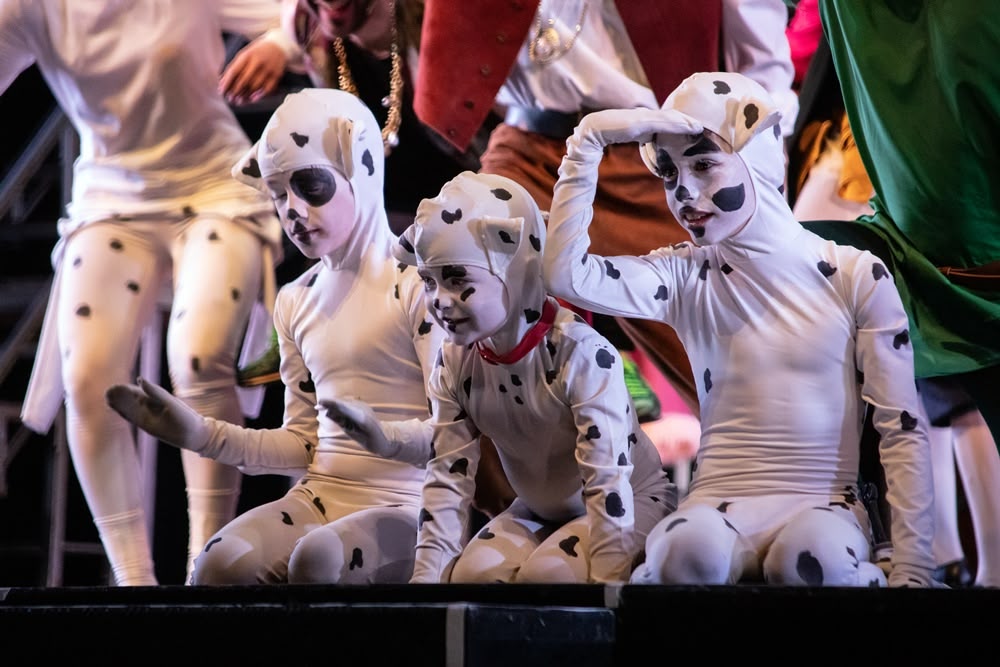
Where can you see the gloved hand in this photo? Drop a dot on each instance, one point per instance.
(622, 126)
(907, 576)
(406, 441)
(159, 413)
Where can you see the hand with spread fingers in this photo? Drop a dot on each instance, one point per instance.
(158, 412)
(407, 441)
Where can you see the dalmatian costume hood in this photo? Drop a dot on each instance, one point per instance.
(490, 222)
(749, 122)
(325, 127)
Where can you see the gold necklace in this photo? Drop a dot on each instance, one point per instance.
(546, 45)
(393, 101)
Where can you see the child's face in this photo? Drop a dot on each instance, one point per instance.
(468, 302)
(316, 207)
(708, 186)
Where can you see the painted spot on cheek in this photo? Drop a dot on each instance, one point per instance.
(730, 199)
(467, 293)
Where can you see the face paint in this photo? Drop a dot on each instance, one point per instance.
(708, 186)
(468, 302)
(316, 208)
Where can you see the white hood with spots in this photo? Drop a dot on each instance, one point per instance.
(490, 222)
(749, 122)
(324, 127)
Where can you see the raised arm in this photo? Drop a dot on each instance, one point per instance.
(626, 286)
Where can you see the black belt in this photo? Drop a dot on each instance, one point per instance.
(552, 124)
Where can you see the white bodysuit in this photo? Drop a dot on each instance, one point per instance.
(588, 480)
(788, 335)
(353, 325)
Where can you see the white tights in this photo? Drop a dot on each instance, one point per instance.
(112, 280)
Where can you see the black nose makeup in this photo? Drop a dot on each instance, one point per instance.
(683, 194)
(293, 214)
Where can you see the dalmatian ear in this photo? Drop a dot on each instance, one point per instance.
(404, 247)
(247, 170)
(748, 117)
(501, 238)
(647, 150)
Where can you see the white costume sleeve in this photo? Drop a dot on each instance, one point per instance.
(633, 284)
(414, 437)
(600, 404)
(885, 361)
(250, 18)
(287, 450)
(449, 485)
(15, 41)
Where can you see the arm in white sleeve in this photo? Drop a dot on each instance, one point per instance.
(250, 18)
(449, 486)
(624, 286)
(885, 358)
(754, 44)
(277, 451)
(16, 21)
(596, 395)
(167, 418)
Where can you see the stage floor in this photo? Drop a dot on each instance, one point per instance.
(494, 625)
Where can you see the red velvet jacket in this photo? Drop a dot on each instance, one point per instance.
(468, 48)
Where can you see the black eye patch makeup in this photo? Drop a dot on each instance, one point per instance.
(314, 185)
(453, 271)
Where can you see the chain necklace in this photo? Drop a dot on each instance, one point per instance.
(546, 45)
(393, 101)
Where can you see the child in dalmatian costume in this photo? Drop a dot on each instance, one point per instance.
(354, 324)
(788, 334)
(544, 386)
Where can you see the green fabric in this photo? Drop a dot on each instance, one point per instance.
(921, 85)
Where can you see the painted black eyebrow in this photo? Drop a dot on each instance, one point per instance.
(704, 145)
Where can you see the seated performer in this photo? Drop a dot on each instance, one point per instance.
(354, 324)
(789, 336)
(543, 385)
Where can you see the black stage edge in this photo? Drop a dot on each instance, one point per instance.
(458, 625)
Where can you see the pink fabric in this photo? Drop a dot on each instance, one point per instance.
(670, 400)
(804, 32)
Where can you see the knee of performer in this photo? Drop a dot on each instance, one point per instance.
(687, 562)
(811, 553)
(218, 566)
(318, 558)
(470, 570)
(547, 570)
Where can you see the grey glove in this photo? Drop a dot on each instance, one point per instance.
(406, 441)
(159, 413)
